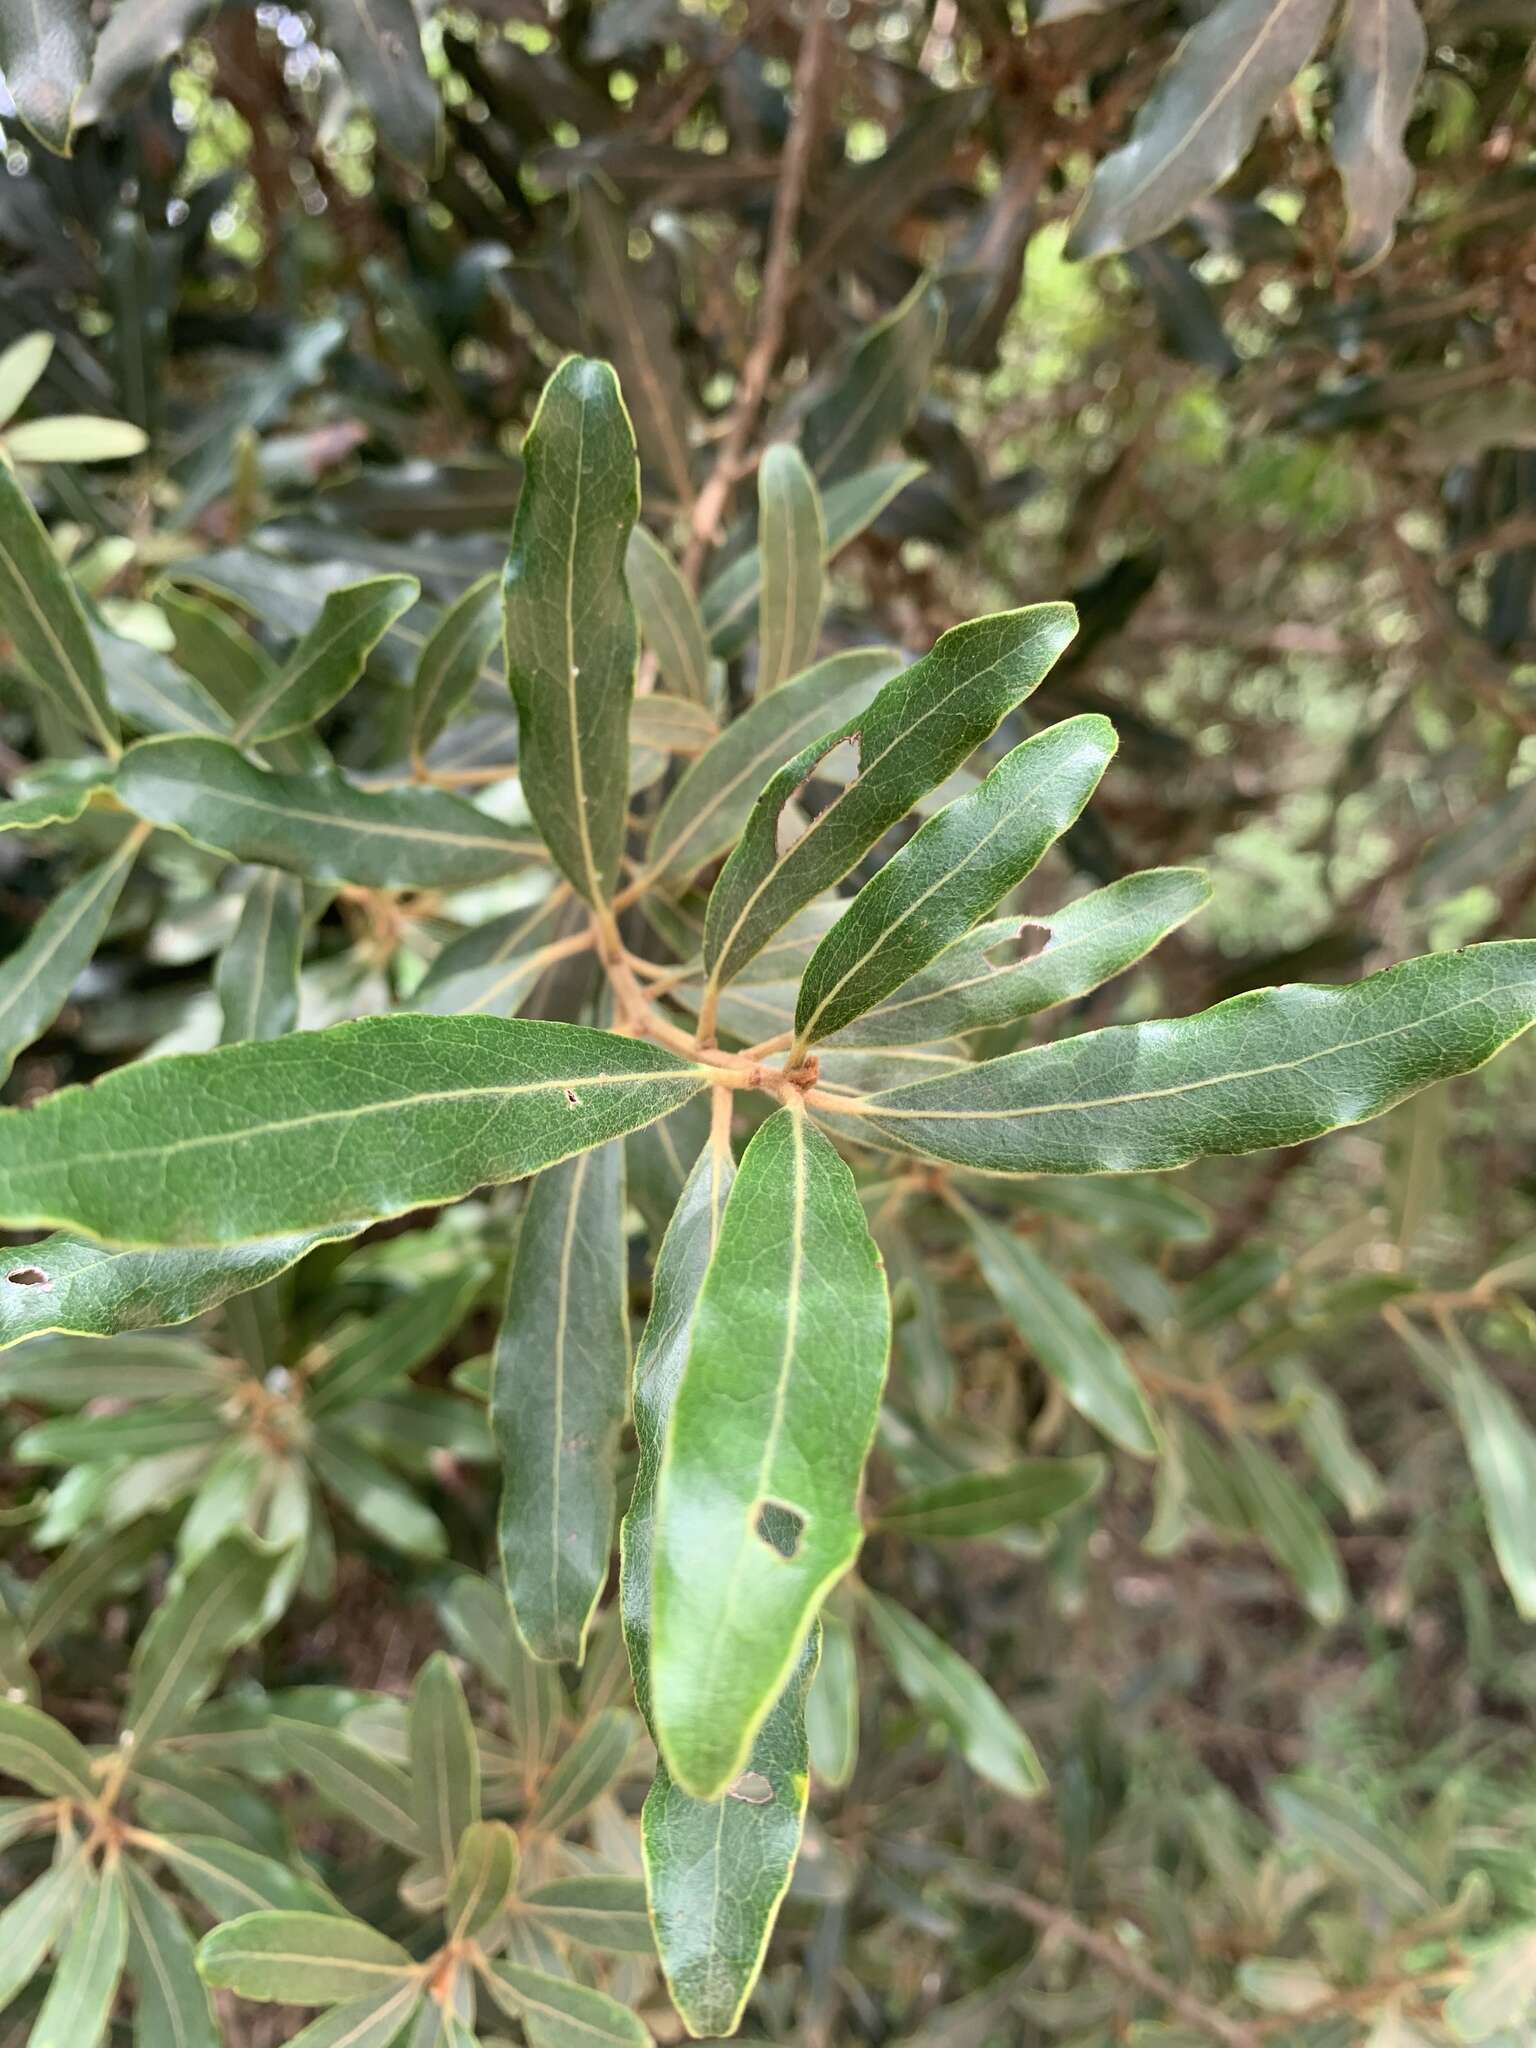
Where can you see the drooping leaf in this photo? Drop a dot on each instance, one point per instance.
(42, 1753)
(171, 2008)
(182, 1653)
(370, 1118)
(603, 1913)
(1199, 121)
(38, 976)
(453, 660)
(1501, 1446)
(757, 1499)
(714, 796)
(445, 1766)
(1292, 1529)
(874, 396)
(558, 1398)
(88, 1969)
(572, 643)
(919, 729)
(319, 826)
(1025, 1495)
(379, 45)
(257, 976)
(353, 1781)
(45, 53)
(939, 1681)
(587, 1769)
(484, 1877)
(1274, 1067)
(669, 616)
(636, 325)
(951, 872)
(39, 610)
(555, 2013)
(1379, 54)
(330, 657)
(792, 541)
(303, 1959)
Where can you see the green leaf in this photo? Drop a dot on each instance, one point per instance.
(75, 437)
(1291, 1529)
(555, 2013)
(920, 728)
(76, 1287)
(144, 1433)
(1199, 121)
(493, 968)
(21, 364)
(669, 616)
(257, 977)
(134, 42)
(934, 1678)
(353, 1781)
(41, 1753)
(604, 1913)
(1027, 1495)
(729, 604)
(484, 1878)
(1066, 1337)
(392, 1343)
(587, 1769)
(1502, 1448)
(445, 1765)
(178, 1659)
(1379, 55)
(39, 610)
(303, 1959)
(1501, 1990)
(40, 973)
(59, 805)
(714, 796)
(1273, 1067)
(170, 2005)
(453, 660)
(757, 1500)
(376, 2020)
(319, 826)
(875, 396)
(89, 1969)
(478, 1622)
(1328, 1823)
(832, 1708)
(558, 1399)
(330, 657)
(792, 541)
(966, 989)
(376, 1497)
(35, 1920)
(951, 872)
(572, 642)
(216, 651)
(45, 53)
(379, 45)
(370, 1118)
(1322, 1426)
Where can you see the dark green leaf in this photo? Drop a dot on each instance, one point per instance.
(352, 1781)
(182, 1653)
(35, 1920)
(934, 1678)
(604, 1913)
(134, 42)
(39, 975)
(874, 397)
(587, 1769)
(379, 44)
(376, 2020)
(39, 611)
(171, 2008)
(1379, 54)
(257, 978)
(1502, 1448)
(792, 542)
(376, 1497)
(1291, 1529)
(669, 616)
(453, 660)
(832, 1708)
(1026, 1495)
(484, 1878)
(555, 2013)
(635, 323)
(330, 657)
(495, 967)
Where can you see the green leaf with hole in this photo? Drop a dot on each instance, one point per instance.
(792, 541)
(939, 1681)
(329, 659)
(920, 728)
(558, 1398)
(39, 610)
(757, 1500)
(303, 1959)
(572, 642)
(445, 1765)
(366, 1119)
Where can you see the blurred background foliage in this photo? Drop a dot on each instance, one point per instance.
(1284, 461)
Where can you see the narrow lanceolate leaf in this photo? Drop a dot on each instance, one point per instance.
(445, 1765)
(32, 1923)
(918, 730)
(587, 1769)
(88, 1970)
(229, 1880)
(484, 1877)
(257, 978)
(1199, 121)
(1291, 1527)
(45, 53)
(1064, 1334)
(40, 613)
(376, 2020)
(1502, 1448)
(757, 1501)
(170, 2001)
(636, 326)
(1272, 1068)
(303, 1959)
(330, 657)
(353, 1781)
(792, 540)
(367, 1119)
(383, 1348)
(74, 1287)
(603, 1913)
(715, 1872)
(318, 826)
(1331, 1825)
(379, 45)
(453, 660)
(493, 968)
(182, 1653)
(980, 981)
(875, 396)
(41, 1753)
(36, 979)
(572, 642)
(832, 1707)
(555, 2013)
(1027, 1495)
(558, 1398)
(934, 1678)
(669, 616)
(714, 797)
(1379, 56)
(952, 871)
